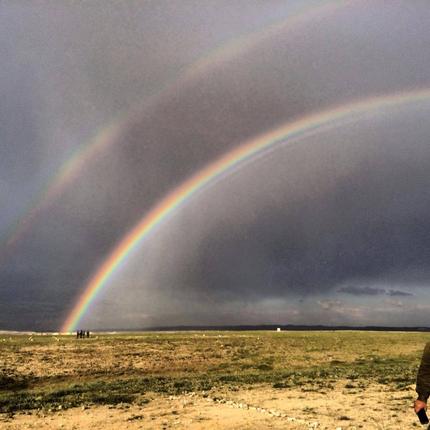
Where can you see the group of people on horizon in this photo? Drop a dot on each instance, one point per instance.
(81, 334)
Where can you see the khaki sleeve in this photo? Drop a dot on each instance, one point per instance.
(423, 376)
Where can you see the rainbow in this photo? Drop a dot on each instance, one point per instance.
(110, 134)
(208, 175)
(65, 175)
(314, 10)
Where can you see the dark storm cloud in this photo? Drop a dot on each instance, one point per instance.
(371, 291)
(73, 67)
(361, 291)
(398, 293)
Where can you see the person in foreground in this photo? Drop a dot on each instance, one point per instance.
(423, 381)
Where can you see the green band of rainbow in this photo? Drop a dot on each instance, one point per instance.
(231, 160)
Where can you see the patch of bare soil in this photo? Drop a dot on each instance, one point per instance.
(262, 407)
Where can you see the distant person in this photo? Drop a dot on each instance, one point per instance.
(423, 380)
(78, 334)
(88, 333)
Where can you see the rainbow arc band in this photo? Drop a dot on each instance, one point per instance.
(212, 172)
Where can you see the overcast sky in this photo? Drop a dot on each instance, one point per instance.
(331, 230)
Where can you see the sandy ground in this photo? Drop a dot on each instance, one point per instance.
(374, 407)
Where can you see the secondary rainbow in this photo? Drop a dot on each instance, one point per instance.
(64, 176)
(232, 160)
(110, 133)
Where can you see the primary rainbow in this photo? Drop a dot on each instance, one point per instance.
(110, 133)
(232, 160)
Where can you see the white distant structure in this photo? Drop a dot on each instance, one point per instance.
(278, 329)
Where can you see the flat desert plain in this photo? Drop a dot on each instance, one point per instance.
(210, 380)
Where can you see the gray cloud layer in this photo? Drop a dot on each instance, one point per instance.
(347, 205)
